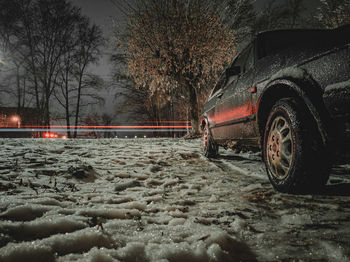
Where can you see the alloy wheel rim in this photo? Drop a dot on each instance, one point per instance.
(205, 139)
(280, 151)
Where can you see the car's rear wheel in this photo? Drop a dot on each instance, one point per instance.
(293, 152)
(210, 148)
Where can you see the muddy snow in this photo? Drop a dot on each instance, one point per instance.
(160, 200)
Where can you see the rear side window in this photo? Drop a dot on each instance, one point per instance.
(244, 61)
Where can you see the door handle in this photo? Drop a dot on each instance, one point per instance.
(220, 95)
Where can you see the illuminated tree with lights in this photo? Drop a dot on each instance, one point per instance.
(177, 45)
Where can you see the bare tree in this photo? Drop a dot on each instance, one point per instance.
(13, 70)
(46, 26)
(39, 33)
(75, 83)
(89, 40)
(92, 119)
(51, 46)
(107, 120)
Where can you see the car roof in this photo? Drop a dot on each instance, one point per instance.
(271, 41)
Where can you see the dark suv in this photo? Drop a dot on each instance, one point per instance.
(287, 93)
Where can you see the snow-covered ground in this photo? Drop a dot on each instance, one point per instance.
(159, 200)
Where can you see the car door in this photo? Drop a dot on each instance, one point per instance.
(215, 95)
(233, 110)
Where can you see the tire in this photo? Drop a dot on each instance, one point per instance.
(293, 152)
(210, 148)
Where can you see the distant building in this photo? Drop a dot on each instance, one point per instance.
(11, 118)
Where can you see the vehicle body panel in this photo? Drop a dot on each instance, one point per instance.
(310, 65)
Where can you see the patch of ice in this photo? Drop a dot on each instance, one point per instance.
(177, 221)
(26, 252)
(123, 186)
(162, 220)
(98, 255)
(140, 176)
(177, 214)
(110, 213)
(119, 200)
(24, 213)
(42, 228)
(123, 175)
(49, 202)
(62, 244)
(177, 252)
(154, 199)
(296, 219)
(157, 191)
(134, 205)
(170, 182)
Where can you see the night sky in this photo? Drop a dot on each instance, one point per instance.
(101, 12)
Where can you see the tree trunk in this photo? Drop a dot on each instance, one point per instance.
(69, 133)
(68, 123)
(78, 105)
(19, 94)
(194, 110)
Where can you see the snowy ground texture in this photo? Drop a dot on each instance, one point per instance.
(159, 200)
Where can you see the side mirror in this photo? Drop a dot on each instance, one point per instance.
(233, 71)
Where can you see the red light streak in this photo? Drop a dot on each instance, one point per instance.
(110, 127)
(183, 122)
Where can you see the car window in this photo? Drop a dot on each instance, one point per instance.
(219, 85)
(250, 60)
(245, 61)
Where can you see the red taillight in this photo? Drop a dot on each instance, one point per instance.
(50, 135)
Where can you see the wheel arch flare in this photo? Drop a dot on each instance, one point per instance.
(284, 88)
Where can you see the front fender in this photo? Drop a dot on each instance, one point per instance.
(204, 121)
